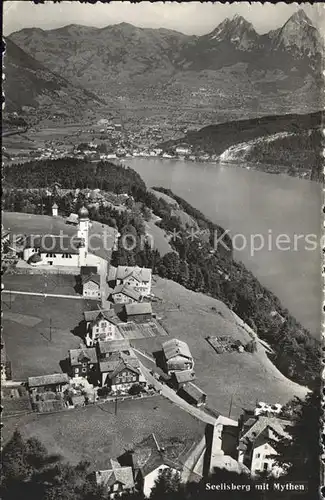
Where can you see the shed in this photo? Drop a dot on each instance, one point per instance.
(177, 355)
(138, 312)
(192, 394)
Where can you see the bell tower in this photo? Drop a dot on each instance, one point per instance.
(83, 231)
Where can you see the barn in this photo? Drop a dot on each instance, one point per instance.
(177, 356)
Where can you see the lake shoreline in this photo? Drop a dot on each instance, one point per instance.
(252, 202)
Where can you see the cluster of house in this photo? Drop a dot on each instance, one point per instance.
(178, 363)
(136, 470)
(111, 364)
(249, 444)
(131, 284)
(254, 453)
(258, 430)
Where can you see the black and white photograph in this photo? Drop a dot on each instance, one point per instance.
(162, 250)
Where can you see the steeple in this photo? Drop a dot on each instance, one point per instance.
(83, 234)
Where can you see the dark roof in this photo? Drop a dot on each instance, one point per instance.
(95, 316)
(141, 308)
(122, 475)
(117, 362)
(87, 270)
(259, 424)
(175, 347)
(77, 355)
(54, 244)
(126, 290)
(193, 391)
(114, 346)
(147, 457)
(184, 376)
(92, 277)
(53, 379)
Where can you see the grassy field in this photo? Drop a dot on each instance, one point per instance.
(32, 346)
(159, 238)
(30, 224)
(59, 284)
(95, 433)
(244, 377)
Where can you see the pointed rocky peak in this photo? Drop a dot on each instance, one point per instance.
(237, 31)
(298, 34)
(299, 17)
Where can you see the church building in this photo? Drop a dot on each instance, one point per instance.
(60, 250)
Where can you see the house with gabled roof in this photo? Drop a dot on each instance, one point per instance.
(192, 393)
(116, 480)
(177, 356)
(83, 361)
(148, 459)
(138, 312)
(257, 436)
(124, 294)
(120, 371)
(138, 278)
(91, 286)
(106, 349)
(101, 324)
(47, 391)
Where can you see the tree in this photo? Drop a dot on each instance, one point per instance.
(184, 274)
(28, 471)
(299, 455)
(135, 389)
(171, 263)
(167, 485)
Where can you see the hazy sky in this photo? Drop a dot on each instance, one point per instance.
(191, 18)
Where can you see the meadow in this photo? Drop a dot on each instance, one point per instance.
(239, 379)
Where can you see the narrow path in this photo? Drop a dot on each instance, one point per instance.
(170, 394)
(39, 294)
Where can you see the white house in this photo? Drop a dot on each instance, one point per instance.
(183, 149)
(60, 250)
(257, 435)
(138, 278)
(91, 286)
(101, 325)
(52, 250)
(148, 460)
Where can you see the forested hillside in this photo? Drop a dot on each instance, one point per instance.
(299, 148)
(71, 173)
(195, 262)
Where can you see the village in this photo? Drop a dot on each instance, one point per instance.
(108, 366)
(105, 139)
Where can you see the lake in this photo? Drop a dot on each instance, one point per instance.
(253, 204)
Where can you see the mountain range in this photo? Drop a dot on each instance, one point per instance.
(229, 72)
(30, 88)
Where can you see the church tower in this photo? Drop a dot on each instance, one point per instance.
(83, 231)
